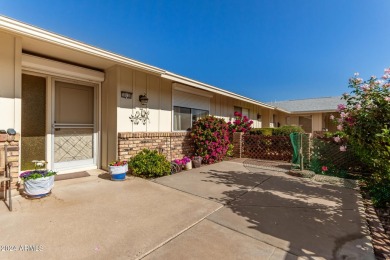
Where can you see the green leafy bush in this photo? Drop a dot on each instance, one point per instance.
(283, 130)
(261, 131)
(230, 151)
(149, 164)
(286, 130)
(379, 190)
(335, 134)
(365, 119)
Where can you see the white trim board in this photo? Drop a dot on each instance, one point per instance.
(51, 67)
(184, 88)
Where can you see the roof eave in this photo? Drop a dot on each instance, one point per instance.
(23, 29)
(200, 85)
(313, 111)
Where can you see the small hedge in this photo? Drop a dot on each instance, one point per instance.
(280, 131)
(149, 164)
(286, 130)
(261, 131)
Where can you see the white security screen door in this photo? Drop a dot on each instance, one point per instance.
(74, 126)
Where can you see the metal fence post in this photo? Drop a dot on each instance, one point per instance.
(301, 151)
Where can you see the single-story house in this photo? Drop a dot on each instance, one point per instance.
(80, 107)
(313, 114)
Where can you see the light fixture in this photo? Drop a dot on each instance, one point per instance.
(126, 95)
(143, 99)
(258, 116)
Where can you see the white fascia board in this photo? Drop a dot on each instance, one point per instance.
(282, 110)
(191, 90)
(200, 85)
(313, 112)
(38, 64)
(31, 31)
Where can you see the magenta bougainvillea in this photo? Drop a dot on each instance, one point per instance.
(240, 123)
(183, 161)
(211, 138)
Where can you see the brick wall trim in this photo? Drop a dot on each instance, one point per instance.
(12, 143)
(173, 145)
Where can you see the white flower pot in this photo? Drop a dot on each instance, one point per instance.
(39, 187)
(188, 165)
(118, 173)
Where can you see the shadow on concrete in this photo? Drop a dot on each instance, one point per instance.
(305, 218)
(105, 176)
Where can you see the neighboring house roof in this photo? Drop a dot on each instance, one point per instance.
(324, 104)
(38, 41)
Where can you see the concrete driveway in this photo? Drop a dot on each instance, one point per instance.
(222, 211)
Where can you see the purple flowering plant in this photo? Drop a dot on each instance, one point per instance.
(38, 171)
(183, 161)
(36, 174)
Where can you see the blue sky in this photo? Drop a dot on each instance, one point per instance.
(264, 49)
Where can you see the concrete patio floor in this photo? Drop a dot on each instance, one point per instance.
(221, 211)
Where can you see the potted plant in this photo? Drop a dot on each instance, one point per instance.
(187, 163)
(196, 161)
(118, 170)
(179, 162)
(39, 182)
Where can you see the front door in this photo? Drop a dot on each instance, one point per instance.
(74, 125)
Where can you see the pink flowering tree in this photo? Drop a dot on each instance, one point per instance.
(366, 120)
(240, 123)
(211, 138)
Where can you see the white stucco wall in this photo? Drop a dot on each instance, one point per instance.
(10, 83)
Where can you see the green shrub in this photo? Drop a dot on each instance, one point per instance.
(286, 130)
(365, 119)
(379, 190)
(230, 151)
(261, 131)
(335, 134)
(149, 164)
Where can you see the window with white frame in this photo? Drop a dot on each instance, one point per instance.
(243, 111)
(184, 117)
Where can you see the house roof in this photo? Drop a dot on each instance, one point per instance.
(41, 42)
(323, 104)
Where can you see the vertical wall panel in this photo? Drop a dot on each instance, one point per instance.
(10, 83)
(140, 88)
(125, 109)
(109, 116)
(166, 106)
(154, 103)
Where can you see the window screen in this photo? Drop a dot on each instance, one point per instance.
(184, 117)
